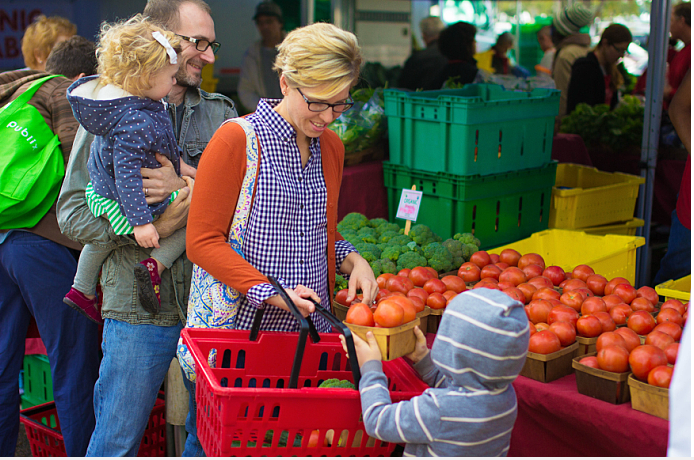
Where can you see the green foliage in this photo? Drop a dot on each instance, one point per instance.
(337, 383)
(411, 260)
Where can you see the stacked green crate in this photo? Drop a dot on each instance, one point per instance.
(480, 154)
(38, 384)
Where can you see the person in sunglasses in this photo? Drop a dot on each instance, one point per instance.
(595, 79)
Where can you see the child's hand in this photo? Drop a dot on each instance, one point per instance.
(146, 236)
(420, 348)
(366, 351)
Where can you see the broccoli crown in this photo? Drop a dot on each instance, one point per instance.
(438, 257)
(348, 234)
(454, 246)
(411, 260)
(423, 235)
(400, 240)
(457, 262)
(377, 222)
(337, 383)
(465, 238)
(471, 248)
(353, 220)
(412, 247)
(368, 235)
(386, 236)
(388, 266)
(368, 251)
(476, 242)
(340, 283)
(391, 252)
(388, 227)
(376, 267)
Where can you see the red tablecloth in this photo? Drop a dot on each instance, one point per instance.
(555, 420)
(363, 191)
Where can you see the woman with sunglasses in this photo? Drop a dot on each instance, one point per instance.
(290, 232)
(595, 79)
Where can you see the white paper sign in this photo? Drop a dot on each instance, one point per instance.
(409, 204)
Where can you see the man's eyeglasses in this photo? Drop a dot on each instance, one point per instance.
(621, 51)
(339, 107)
(202, 45)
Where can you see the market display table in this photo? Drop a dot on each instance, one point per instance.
(555, 420)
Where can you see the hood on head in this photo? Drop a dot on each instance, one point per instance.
(482, 341)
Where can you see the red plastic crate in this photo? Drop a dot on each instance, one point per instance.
(244, 399)
(43, 431)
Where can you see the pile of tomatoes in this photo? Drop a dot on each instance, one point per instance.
(621, 351)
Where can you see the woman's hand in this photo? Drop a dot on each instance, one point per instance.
(366, 350)
(420, 348)
(360, 277)
(298, 295)
(160, 183)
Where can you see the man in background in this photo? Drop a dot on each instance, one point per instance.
(680, 29)
(544, 38)
(424, 64)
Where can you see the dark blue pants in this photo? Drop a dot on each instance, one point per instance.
(677, 261)
(35, 275)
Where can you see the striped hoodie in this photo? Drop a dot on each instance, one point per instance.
(471, 407)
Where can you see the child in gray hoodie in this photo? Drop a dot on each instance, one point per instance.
(470, 409)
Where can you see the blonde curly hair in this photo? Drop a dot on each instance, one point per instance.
(41, 35)
(128, 55)
(319, 54)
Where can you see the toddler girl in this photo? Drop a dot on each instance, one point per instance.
(123, 108)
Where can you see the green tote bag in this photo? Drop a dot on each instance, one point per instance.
(31, 163)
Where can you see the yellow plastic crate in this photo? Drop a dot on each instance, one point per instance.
(608, 255)
(623, 228)
(585, 197)
(676, 289)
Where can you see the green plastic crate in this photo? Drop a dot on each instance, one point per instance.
(497, 208)
(478, 129)
(38, 384)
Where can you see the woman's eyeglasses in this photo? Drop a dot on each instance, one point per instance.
(202, 45)
(339, 107)
(621, 51)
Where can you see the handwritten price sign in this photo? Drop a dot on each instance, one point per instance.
(410, 200)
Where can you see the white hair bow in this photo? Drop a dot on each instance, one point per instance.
(173, 58)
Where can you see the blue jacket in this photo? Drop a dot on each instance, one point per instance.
(129, 130)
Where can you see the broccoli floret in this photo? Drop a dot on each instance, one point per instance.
(376, 267)
(412, 247)
(368, 251)
(455, 247)
(377, 222)
(386, 236)
(465, 238)
(411, 260)
(391, 252)
(469, 250)
(368, 235)
(354, 239)
(348, 234)
(337, 383)
(340, 283)
(388, 266)
(423, 235)
(353, 220)
(476, 242)
(388, 227)
(438, 257)
(400, 240)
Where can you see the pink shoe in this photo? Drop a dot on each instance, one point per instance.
(83, 305)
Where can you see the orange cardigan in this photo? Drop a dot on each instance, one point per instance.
(217, 186)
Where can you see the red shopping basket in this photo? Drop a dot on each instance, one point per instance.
(43, 431)
(245, 405)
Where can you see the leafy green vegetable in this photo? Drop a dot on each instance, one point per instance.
(337, 383)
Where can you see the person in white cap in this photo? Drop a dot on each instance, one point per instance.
(570, 44)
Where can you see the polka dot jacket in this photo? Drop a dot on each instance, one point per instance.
(129, 130)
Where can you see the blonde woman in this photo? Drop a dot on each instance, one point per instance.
(40, 38)
(123, 107)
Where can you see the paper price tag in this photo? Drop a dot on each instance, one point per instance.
(410, 200)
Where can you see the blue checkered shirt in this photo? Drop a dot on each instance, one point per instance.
(287, 231)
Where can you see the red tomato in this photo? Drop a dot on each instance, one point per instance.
(541, 282)
(433, 272)
(544, 342)
(405, 272)
(582, 272)
(671, 315)
(408, 308)
(587, 292)
(573, 284)
(418, 292)
(360, 314)
(341, 296)
(620, 313)
(555, 274)
(596, 283)
(648, 293)
(674, 303)
(418, 303)
(670, 328)
(641, 322)
(503, 285)
(382, 294)
(538, 310)
(513, 275)
(531, 258)
(659, 339)
(315, 437)
(494, 258)
(449, 295)
(565, 331)
(541, 327)
(644, 358)
(528, 291)
(481, 259)
(641, 303)
(435, 285)
(531, 326)
(630, 337)
(454, 283)
(660, 376)
(420, 275)
(573, 299)
(562, 313)
(546, 294)
(533, 270)
(381, 280)
(400, 284)
(612, 300)
(627, 292)
(389, 313)
(469, 272)
(592, 305)
(590, 361)
(436, 300)
(514, 293)
(488, 283)
(588, 326)
(671, 352)
(610, 338)
(490, 271)
(609, 287)
(613, 358)
(510, 256)
(606, 321)
(502, 265)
